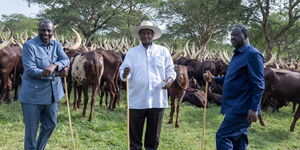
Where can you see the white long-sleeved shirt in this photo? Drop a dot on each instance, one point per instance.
(149, 67)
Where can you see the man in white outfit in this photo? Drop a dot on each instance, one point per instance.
(150, 72)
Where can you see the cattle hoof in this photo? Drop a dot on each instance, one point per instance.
(170, 122)
(176, 126)
(82, 116)
(292, 130)
(90, 118)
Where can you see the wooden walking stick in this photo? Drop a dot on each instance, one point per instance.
(204, 113)
(69, 114)
(127, 99)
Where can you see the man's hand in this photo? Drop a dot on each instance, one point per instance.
(252, 116)
(168, 83)
(126, 71)
(207, 76)
(49, 70)
(63, 73)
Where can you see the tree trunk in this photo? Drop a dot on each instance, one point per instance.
(268, 51)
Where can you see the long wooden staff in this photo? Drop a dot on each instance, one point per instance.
(127, 99)
(69, 114)
(204, 115)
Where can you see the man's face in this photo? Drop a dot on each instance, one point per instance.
(237, 38)
(146, 36)
(46, 32)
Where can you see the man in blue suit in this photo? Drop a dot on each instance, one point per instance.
(44, 61)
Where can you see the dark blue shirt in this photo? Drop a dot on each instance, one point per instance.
(243, 84)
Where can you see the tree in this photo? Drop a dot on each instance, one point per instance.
(95, 16)
(135, 12)
(275, 18)
(18, 22)
(202, 20)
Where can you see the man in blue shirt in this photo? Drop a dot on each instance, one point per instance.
(243, 87)
(43, 61)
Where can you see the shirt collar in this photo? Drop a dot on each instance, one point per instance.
(40, 42)
(241, 49)
(149, 47)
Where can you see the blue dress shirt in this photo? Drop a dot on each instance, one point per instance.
(243, 84)
(35, 88)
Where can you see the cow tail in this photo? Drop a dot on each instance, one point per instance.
(100, 73)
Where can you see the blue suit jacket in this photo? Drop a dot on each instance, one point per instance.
(36, 55)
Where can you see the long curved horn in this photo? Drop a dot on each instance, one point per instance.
(20, 45)
(77, 42)
(176, 56)
(186, 49)
(226, 56)
(85, 48)
(21, 37)
(272, 60)
(7, 42)
(54, 37)
(205, 57)
(34, 34)
(222, 58)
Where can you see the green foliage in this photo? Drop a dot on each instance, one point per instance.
(108, 130)
(286, 46)
(273, 22)
(97, 16)
(18, 22)
(205, 22)
(200, 21)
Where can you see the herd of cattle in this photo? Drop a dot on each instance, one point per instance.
(96, 65)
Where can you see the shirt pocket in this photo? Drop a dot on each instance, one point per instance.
(159, 61)
(42, 61)
(42, 88)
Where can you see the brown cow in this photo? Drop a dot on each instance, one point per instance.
(112, 63)
(10, 70)
(284, 84)
(87, 69)
(180, 89)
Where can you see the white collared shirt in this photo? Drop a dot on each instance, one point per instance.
(149, 67)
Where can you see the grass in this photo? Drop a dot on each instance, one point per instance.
(108, 130)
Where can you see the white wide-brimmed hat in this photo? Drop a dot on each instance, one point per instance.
(147, 25)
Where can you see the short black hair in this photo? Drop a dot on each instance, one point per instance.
(243, 29)
(45, 21)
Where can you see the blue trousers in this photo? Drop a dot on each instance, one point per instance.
(33, 115)
(233, 132)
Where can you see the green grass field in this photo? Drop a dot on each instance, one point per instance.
(108, 130)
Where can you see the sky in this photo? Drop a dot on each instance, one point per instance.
(8, 7)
